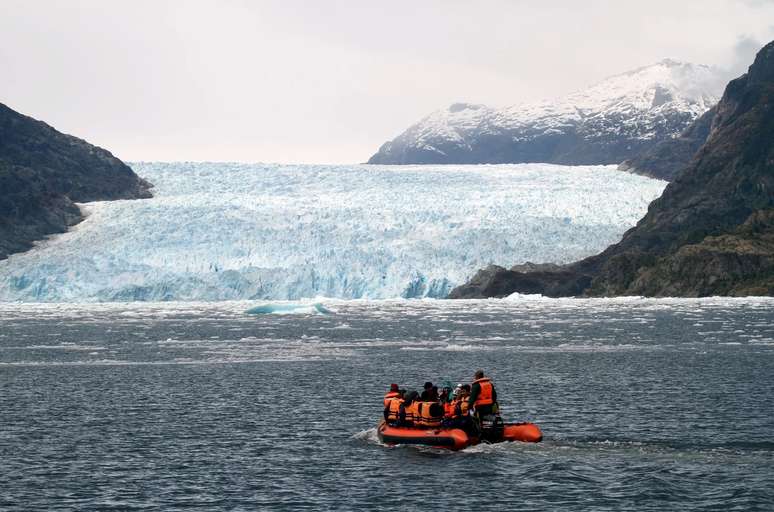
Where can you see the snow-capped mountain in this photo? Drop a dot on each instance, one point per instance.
(606, 123)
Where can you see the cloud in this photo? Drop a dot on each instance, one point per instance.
(746, 47)
(744, 53)
(296, 81)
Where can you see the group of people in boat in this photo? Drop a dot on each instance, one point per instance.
(466, 406)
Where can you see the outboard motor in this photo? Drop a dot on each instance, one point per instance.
(492, 428)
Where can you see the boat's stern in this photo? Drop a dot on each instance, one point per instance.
(524, 432)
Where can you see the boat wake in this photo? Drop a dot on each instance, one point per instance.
(368, 436)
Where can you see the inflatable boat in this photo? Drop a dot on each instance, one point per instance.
(455, 438)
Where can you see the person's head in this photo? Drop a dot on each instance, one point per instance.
(479, 374)
(394, 388)
(428, 385)
(466, 388)
(434, 390)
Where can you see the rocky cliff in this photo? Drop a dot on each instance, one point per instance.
(667, 158)
(710, 233)
(607, 123)
(43, 171)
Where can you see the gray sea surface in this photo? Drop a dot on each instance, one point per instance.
(645, 405)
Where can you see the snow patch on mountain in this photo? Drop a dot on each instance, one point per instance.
(600, 124)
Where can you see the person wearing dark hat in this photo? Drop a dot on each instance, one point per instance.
(394, 392)
(430, 393)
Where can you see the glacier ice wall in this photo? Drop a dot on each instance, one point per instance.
(218, 231)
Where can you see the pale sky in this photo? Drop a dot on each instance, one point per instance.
(330, 81)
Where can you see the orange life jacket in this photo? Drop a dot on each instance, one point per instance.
(448, 409)
(460, 407)
(428, 414)
(412, 412)
(485, 397)
(393, 409)
(389, 396)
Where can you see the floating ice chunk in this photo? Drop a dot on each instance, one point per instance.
(289, 309)
(518, 297)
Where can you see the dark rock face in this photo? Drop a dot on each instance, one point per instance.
(43, 171)
(607, 123)
(737, 263)
(495, 281)
(712, 230)
(668, 157)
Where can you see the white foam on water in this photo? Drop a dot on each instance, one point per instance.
(369, 436)
(266, 337)
(448, 347)
(499, 448)
(65, 346)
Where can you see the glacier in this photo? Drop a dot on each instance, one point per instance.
(229, 231)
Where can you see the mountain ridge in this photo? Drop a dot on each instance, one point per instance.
(606, 123)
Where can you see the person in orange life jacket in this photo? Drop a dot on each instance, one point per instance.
(408, 408)
(430, 394)
(457, 411)
(461, 407)
(394, 392)
(394, 410)
(446, 400)
(483, 396)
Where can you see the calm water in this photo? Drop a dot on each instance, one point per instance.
(645, 405)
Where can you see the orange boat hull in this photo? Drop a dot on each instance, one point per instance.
(453, 438)
(524, 432)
